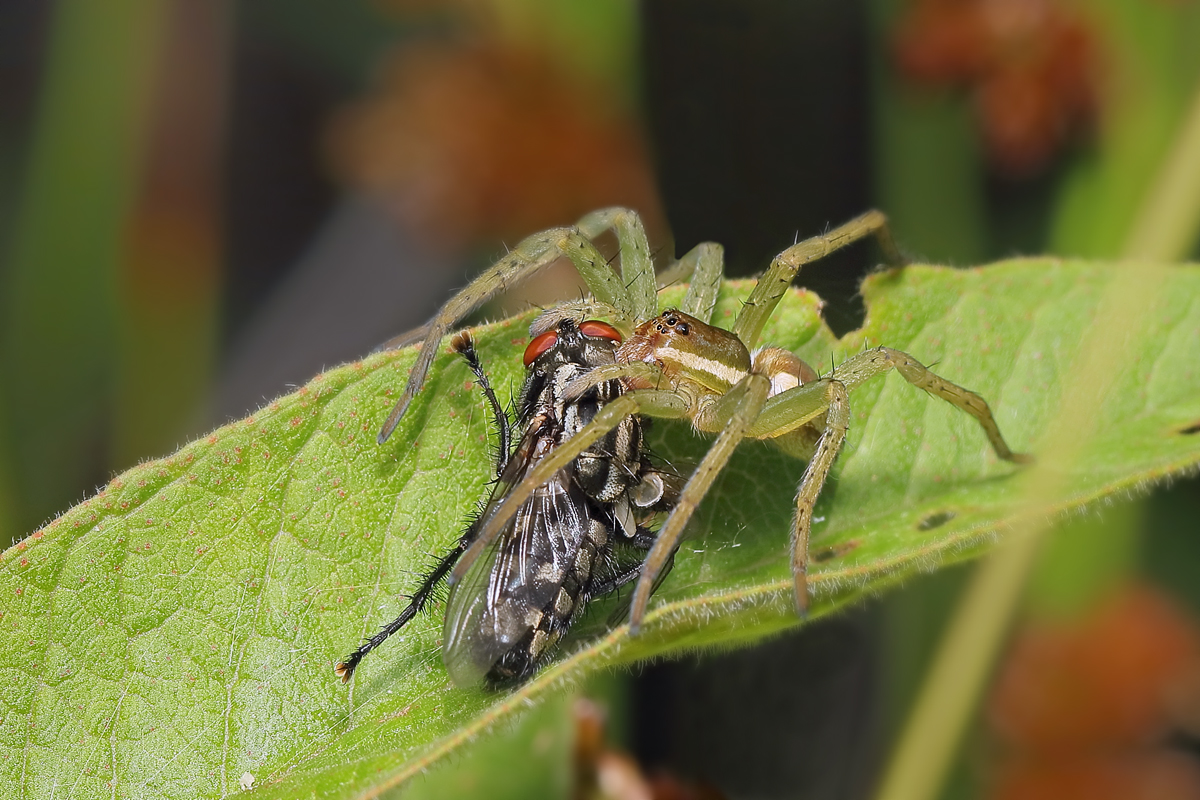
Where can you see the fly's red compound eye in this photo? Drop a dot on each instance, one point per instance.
(540, 344)
(603, 330)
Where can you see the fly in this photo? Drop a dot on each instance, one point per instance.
(568, 542)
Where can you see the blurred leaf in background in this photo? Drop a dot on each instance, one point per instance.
(59, 307)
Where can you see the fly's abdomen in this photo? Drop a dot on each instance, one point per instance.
(565, 584)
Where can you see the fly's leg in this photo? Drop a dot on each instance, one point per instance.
(624, 574)
(464, 345)
(531, 255)
(778, 277)
(642, 540)
(418, 599)
(653, 402)
(737, 410)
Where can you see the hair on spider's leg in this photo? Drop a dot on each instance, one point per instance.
(856, 370)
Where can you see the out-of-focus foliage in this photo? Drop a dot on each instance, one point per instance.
(1085, 707)
(470, 144)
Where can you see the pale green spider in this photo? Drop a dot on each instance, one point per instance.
(675, 365)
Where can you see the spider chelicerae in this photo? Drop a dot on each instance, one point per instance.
(674, 364)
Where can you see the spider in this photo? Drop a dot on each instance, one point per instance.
(676, 365)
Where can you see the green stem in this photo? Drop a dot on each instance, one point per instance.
(1168, 222)
(930, 741)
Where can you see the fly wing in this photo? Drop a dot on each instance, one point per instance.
(518, 597)
(462, 651)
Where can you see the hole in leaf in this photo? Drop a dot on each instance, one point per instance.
(836, 551)
(1188, 430)
(935, 520)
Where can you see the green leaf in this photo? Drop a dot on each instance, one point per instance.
(180, 628)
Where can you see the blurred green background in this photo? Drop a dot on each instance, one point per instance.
(204, 202)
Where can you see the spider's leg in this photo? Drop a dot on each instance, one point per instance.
(775, 281)
(404, 340)
(739, 407)
(637, 270)
(782, 415)
(533, 254)
(866, 365)
(639, 370)
(653, 402)
(709, 268)
(837, 421)
(703, 267)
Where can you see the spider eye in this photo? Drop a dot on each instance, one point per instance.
(540, 344)
(682, 329)
(599, 329)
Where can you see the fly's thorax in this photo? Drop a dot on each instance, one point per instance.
(784, 369)
(610, 466)
(688, 351)
(571, 353)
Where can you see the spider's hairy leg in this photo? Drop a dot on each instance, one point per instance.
(837, 422)
(637, 270)
(747, 399)
(645, 374)
(702, 267)
(701, 297)
(652, 402)
(866, 365)
(775, 281)
(530, 256)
